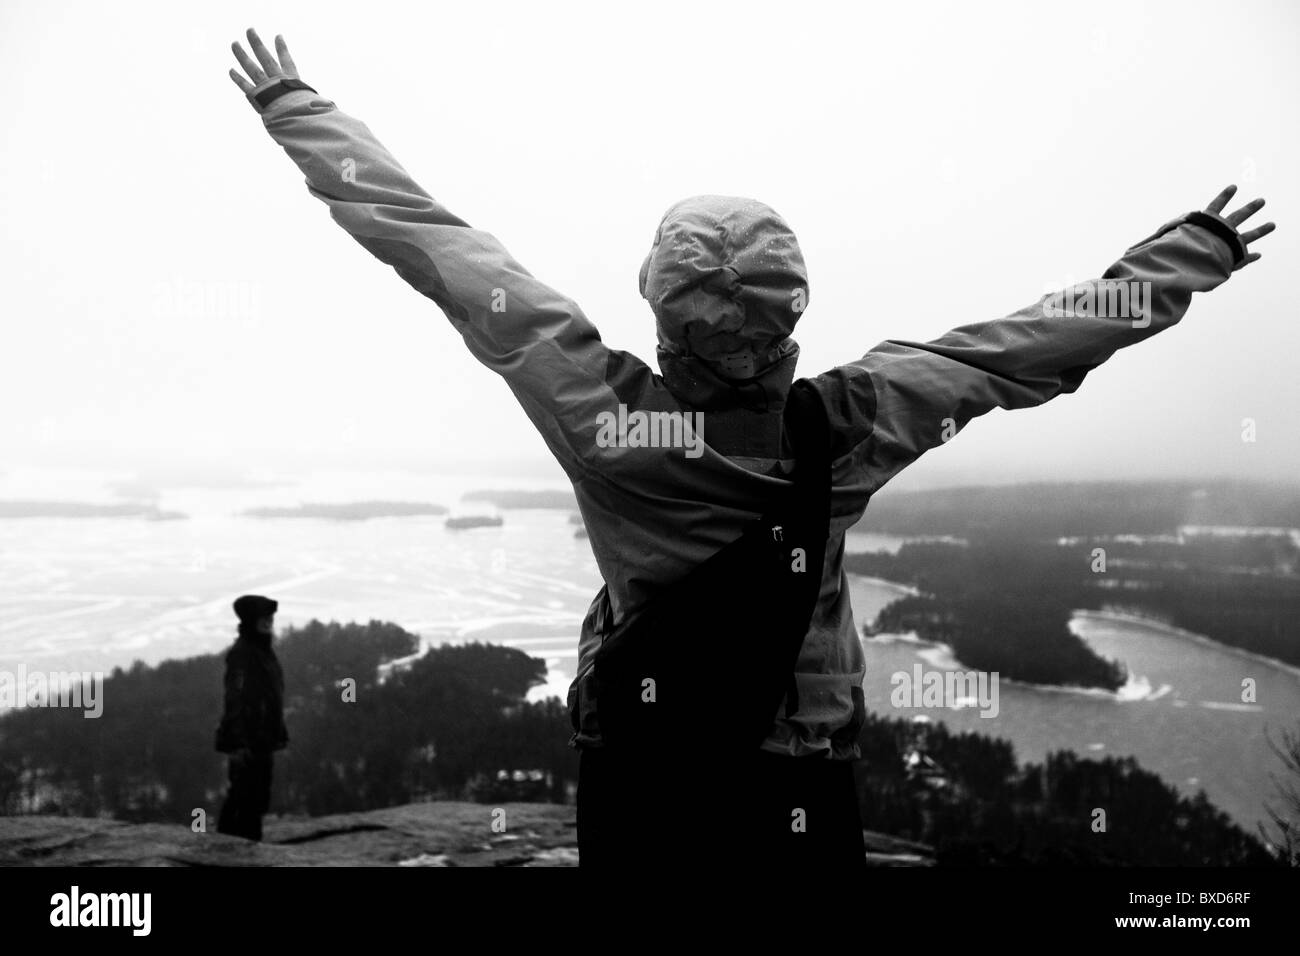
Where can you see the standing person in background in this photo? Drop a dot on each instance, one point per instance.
(252, 728)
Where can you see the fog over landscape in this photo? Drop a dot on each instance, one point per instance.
(176, 300)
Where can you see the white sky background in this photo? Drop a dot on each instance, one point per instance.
(940, 164)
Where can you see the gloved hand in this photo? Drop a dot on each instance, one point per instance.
(273, 78)
(1235, 219)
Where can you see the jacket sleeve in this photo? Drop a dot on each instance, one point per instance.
(903, 398)
(232, 734)
(538, 340)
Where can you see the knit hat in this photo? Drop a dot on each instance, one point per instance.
(253, 607)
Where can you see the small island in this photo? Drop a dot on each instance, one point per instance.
(464, 522)
(524, 499)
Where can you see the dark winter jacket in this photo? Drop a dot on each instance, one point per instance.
(254, 716)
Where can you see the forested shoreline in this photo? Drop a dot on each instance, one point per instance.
(1223, 562)
(375, 724)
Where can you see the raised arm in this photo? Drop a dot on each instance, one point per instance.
(903, 398)
(537, 339)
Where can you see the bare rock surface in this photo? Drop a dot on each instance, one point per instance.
(419, 834)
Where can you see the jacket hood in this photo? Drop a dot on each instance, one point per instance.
(726, 280)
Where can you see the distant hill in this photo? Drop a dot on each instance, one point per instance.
(350, 511)
(1053, 510)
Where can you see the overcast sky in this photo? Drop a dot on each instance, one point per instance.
(172, 293)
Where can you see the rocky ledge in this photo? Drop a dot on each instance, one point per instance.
(421, 834)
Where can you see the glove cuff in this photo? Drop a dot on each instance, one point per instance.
(264, 98)
(1215, 225)
(1224, 230)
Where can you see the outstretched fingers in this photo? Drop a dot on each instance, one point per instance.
(286, 61)
(1249, 237)
(1218, 202)
(266, 66)
(1235, 219)
(1264, 230)
(248, 64)
(1245, 212)
(269, 63)
(1250, 257)
(244, 86)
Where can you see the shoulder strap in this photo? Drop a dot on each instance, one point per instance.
(809, 502)
(810, 439)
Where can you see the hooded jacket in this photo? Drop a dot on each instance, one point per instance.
(726, 282)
